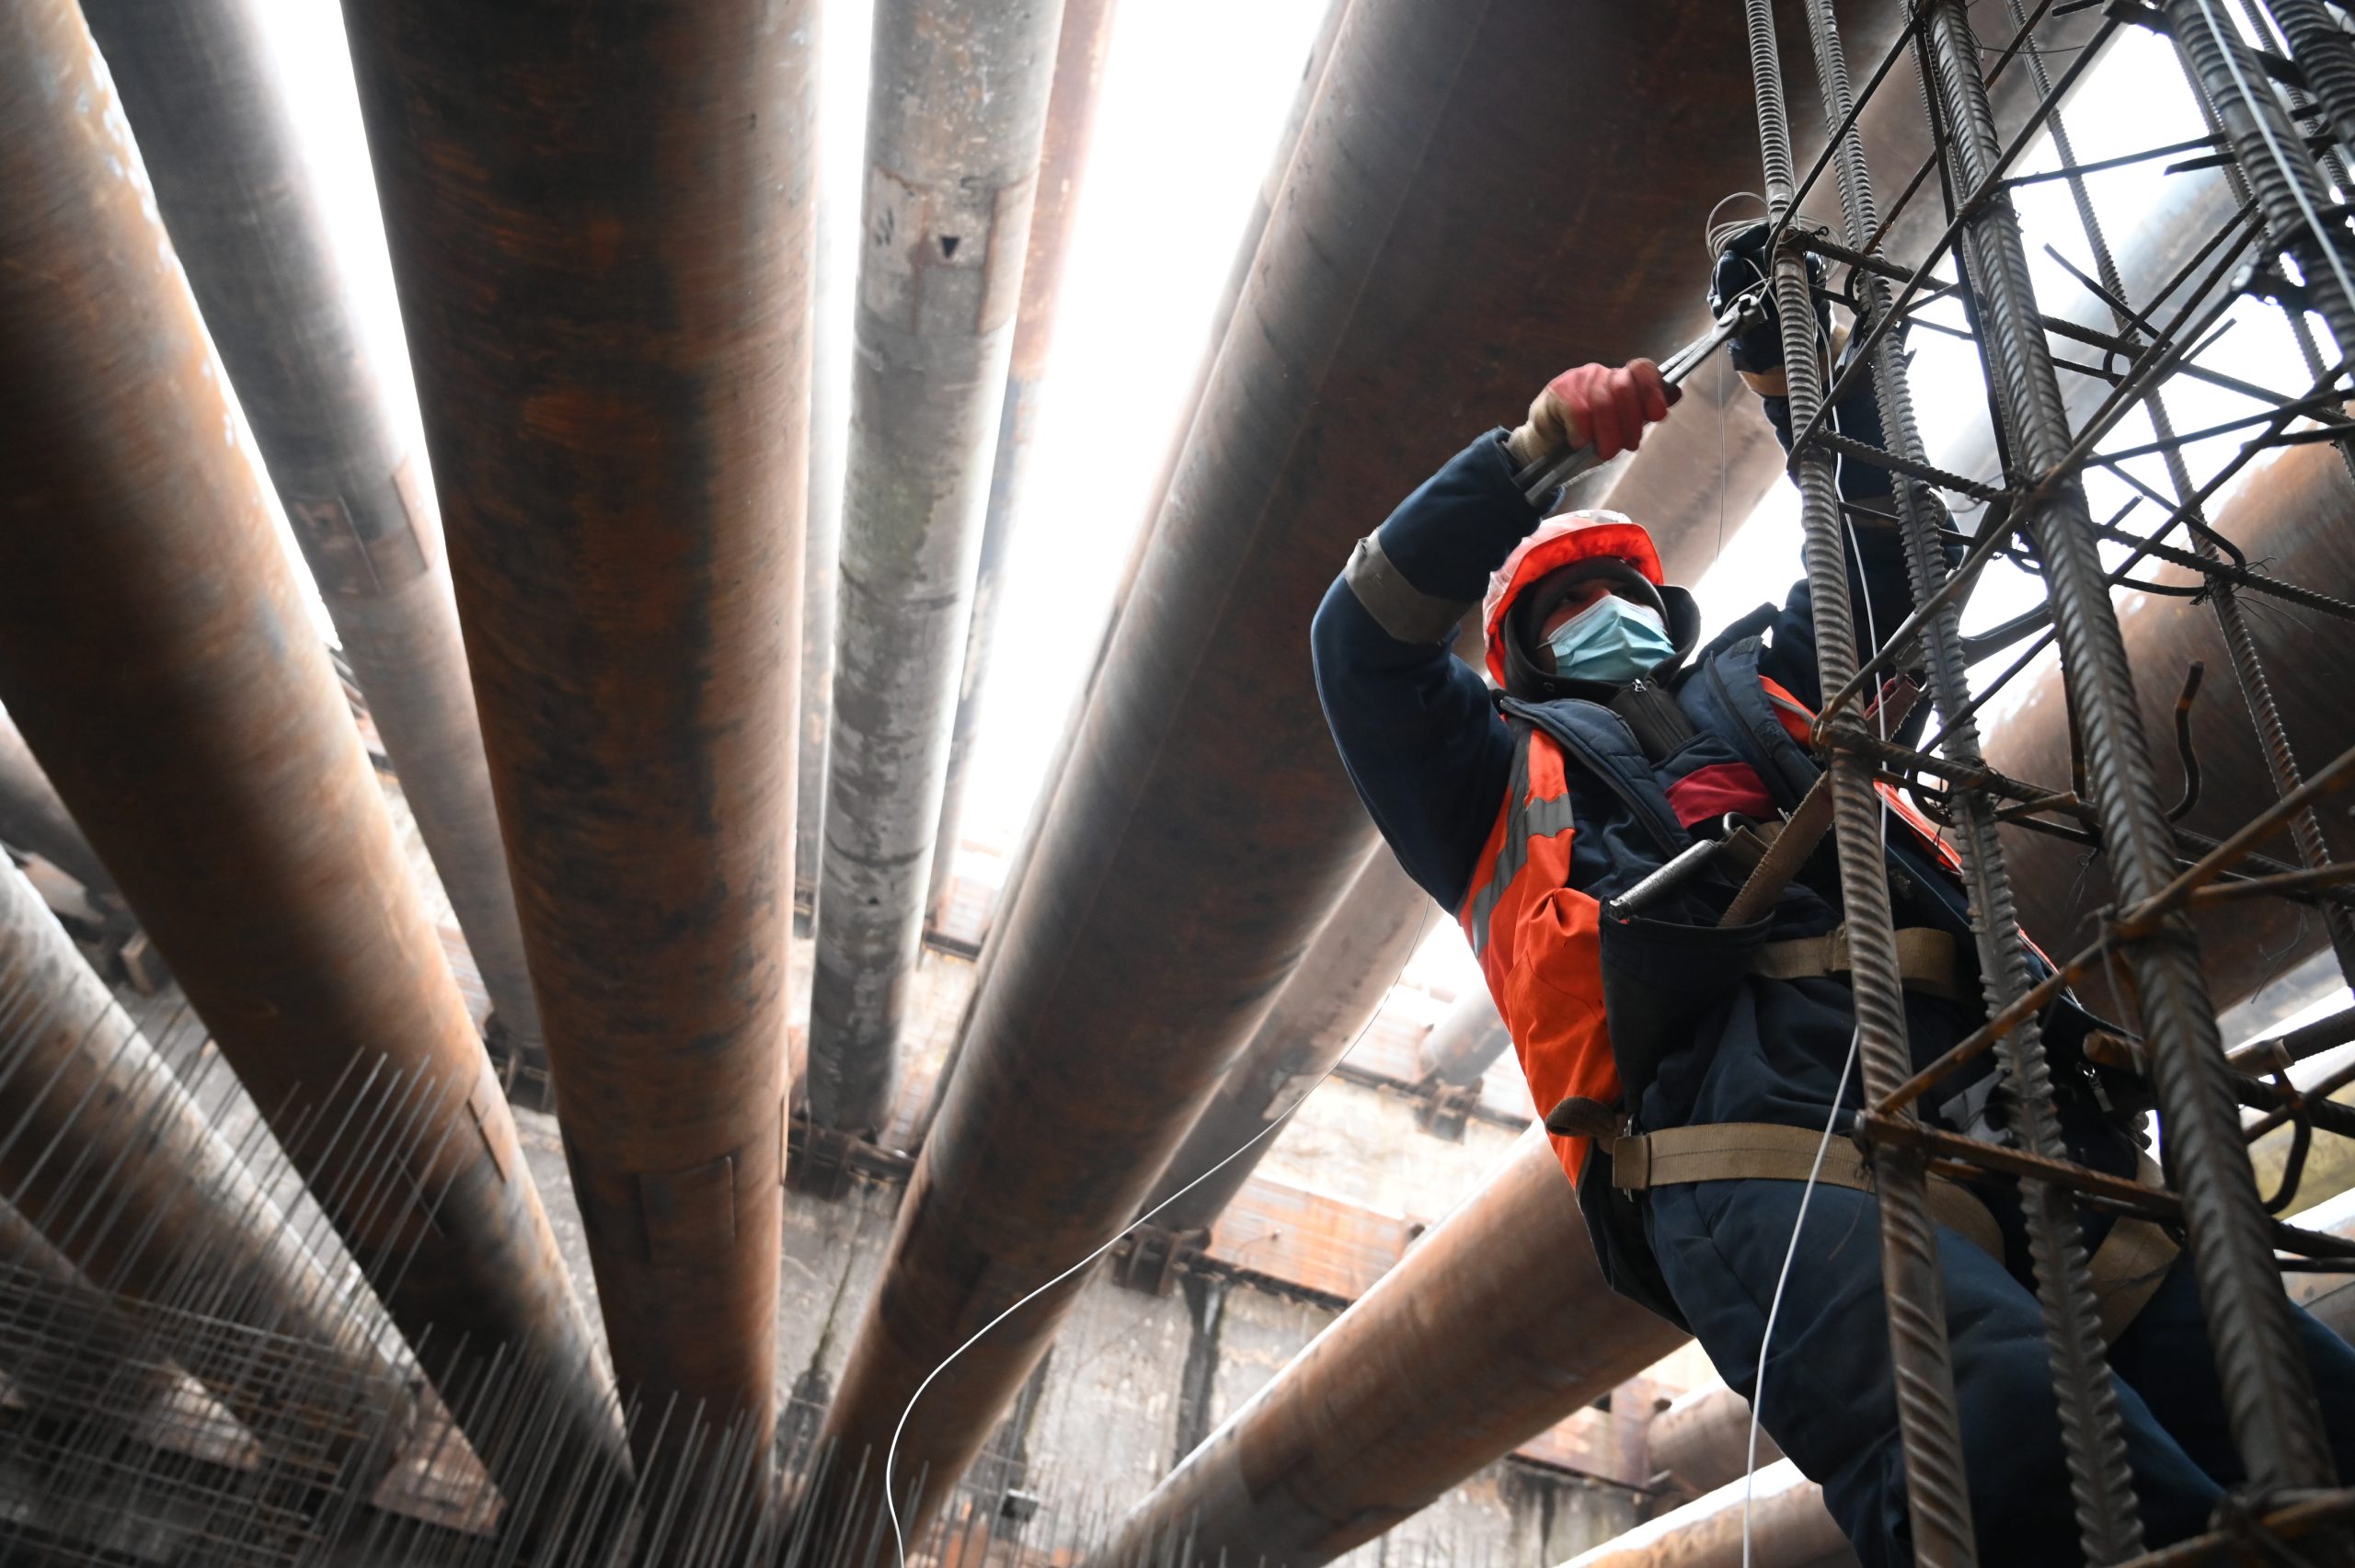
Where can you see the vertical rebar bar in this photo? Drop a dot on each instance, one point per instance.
(2093, 1434)
(2273, 1415)
(1920, 1360)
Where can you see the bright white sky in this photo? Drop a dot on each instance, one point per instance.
(1194, 93)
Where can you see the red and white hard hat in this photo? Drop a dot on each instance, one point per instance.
(1559, 542)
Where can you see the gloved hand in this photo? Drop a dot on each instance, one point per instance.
(1758, 354)
(1594, 404)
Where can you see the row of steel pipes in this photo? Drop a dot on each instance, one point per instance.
(602, 271)
(601, 236)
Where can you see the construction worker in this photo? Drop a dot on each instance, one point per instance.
(1689, 1068)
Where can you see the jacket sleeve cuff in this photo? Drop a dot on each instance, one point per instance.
(1397, 606)
(1460, 524)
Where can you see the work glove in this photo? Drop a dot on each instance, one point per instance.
(1758, 354)
(1594, 404)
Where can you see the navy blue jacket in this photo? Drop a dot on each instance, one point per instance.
(1417, 729)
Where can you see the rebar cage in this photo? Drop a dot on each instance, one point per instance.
(2275, 83)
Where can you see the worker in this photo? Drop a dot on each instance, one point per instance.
(1688, 1069)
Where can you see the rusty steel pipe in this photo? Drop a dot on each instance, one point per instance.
(156, 650)
(1321, 1010)
(1063, 168)
(33, 819)
(1204, 826)
(834, 266)
(1462, 1045)
(2294, 512)
(601, 230)
(1495, 1326)
(1702, 1439)
(1789, 1528)
(104, 1152)
(247, 212)
(956, 118)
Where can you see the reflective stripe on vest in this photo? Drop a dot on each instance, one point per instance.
(1524, 820)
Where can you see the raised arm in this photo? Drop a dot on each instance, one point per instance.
(1415, 726)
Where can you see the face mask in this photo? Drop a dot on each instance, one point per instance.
(1612, 639)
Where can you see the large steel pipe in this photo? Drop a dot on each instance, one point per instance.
(248, 212)
(2294, 512)
(104, 1153)
(1463, 1045)
(1702, 1439)
(1063, 166)
(1431, 260)
(1789, 1528)
(156, 650)
(833, 266)
(956, 113)
(1326, 1005)
(33, 819)
(1497, 1325)
(600, 230)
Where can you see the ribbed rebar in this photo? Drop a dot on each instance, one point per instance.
(1920, 1358)
(2326, 57)
(2273, 1415)
(2240, 642)
(2091, 1431)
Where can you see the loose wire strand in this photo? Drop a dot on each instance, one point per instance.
(891, 1451)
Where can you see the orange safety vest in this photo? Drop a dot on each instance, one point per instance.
(1538, 939)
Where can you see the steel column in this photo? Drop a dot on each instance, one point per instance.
(832, 271)
(1494, 1327)
(1202, 828)
(1702, 1441)
(600, 229)
(247, 212)
(1789, 1528)
(32, 818)
(156, 650)
(1062, 170)
(1323, 1010)
(955, 117)
(1460, 1048)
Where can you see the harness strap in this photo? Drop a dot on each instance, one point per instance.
(1735, 1151)
(2127, 1268)
(1927, 959)
(2131, 1263)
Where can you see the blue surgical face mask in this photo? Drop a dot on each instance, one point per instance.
(1613, 639)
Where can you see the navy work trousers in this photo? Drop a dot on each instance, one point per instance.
(1830, 1404)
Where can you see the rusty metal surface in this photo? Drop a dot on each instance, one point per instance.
(103, 1152)
(956, 116)
(1204, 828)
(599, 231)
(1461, 1046)
(1062, 170)
(156, 651)
(33, 817)
(833, 267)
(1496, 1326)
(1323, 1011)
(2296, 512)
(1789, 1528)
(1703, 1440)
(249, 216)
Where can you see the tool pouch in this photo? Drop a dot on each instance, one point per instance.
(1661, 978)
